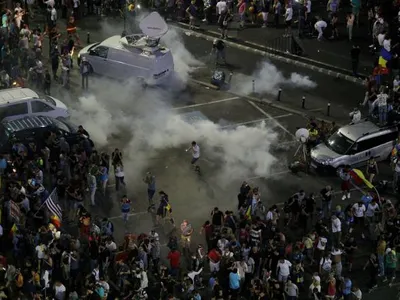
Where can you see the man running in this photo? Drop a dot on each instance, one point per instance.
(195, 148)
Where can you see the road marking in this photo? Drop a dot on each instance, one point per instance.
(129, 215)
(207, 103)
(256, 121)
(270, 117)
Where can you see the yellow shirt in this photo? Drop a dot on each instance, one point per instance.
(308, 243)
(380, 249)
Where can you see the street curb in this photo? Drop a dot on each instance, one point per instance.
(266, 101)
(293, 60)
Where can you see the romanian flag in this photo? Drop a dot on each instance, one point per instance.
(56, 221)
(384, 57)
(247, 215)
(359, 178)
(13, 230)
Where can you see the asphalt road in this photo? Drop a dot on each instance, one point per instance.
(193, 196)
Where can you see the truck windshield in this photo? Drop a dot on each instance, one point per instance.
(338, 143)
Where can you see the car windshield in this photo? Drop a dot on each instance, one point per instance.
(338, 143)
(49, 100)
(61, 125)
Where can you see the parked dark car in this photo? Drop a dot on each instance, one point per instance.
(35, 129)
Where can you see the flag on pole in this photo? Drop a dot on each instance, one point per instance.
(15, 211)
(359, 178)
(53, 206)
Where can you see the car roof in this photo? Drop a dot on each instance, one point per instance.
(27, 123)
(113, 42)
(16, 95)
(356, 131)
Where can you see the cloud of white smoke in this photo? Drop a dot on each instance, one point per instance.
(144, 126)
(268, 79)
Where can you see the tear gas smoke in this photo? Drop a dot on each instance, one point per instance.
(145, 127)
(141, 123)
(268, 79)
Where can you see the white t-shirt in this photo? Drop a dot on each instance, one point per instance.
(76, 3)
(1, 230)
(326, 264)
(111, 246)
(59, 292)
(50, 3)
(308, 6)
(40, 249)
(321, 24)
(221, 7)
(322, 243)
(371, 209)
(337, 252)
(396, 85)
(380, 38)
(387, 45)
(284, 268)
(288, 14)
(196, 151)
(359, 210)
(358, 294)
(53, 14)
(336, 225)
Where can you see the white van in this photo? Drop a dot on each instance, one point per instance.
(136, 55)
(20, 102)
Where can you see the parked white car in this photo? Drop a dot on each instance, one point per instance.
(136, 55)
(20, 102)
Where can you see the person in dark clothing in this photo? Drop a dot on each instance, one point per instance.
(55, 56)
(355, 58)
(372, 266)
(47, 82)
(242, 196)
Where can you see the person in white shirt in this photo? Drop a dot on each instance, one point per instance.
(283, 270)
(49, 3)
(336, 230)
(372, 210)
(288, 20)
(359, 214)
(53, 16)
(221, 7)
(396, 84)
(119, 176)
(59, 291)
(381, 38)
(325, 266)
(355, 115)
(381, 103)
(320, 27)
(195, 148)
(308, 6)
(337, 261)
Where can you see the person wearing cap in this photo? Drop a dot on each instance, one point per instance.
(85, 71)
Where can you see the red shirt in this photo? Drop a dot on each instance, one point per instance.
(214, 256)
(174, 258)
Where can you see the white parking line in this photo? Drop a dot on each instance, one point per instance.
(206, 103)
(270, 117)
(256, 121)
